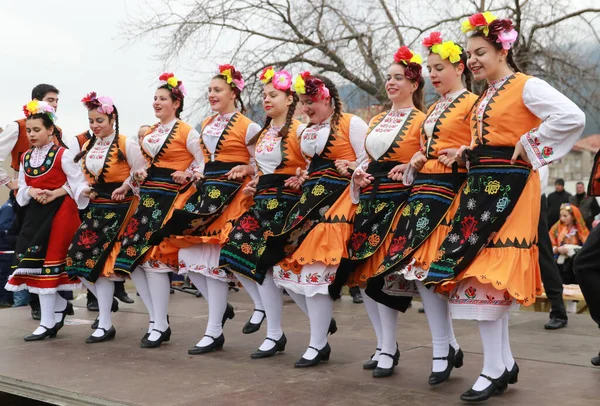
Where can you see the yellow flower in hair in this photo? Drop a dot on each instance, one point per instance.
(32, 106)
(172, 81)
(267, 75)
(489, 17)
(298, 85)
(227, 74)
(466, 27)
(449, 50)
(416, 59)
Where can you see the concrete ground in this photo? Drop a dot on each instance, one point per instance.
(555, 365)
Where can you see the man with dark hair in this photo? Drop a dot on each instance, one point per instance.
(555, 199)
(587, 205)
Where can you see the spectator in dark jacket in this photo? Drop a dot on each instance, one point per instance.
(7, 246)
(587, 205)
(555, 200)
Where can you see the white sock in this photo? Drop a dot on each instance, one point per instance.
(272, 298)
(47, 312)
(450, 333)
(320, 311)
(138, 276)
(217, 303)
(60, 305)
(105, 289)
(91, 287)
(373, 313)
(160, 291)
(199, 282)
(507, 356)
(491, 339)
(300, 301)
(436, 310)
(389, 322)
(252, 289)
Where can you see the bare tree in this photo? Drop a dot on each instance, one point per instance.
(355, 40)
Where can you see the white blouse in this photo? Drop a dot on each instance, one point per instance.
(315, 137)
(268, 150)
(212, 133)
(154, 141)
(8, 140)
(383, 135)
(75, 180)
(562, 121)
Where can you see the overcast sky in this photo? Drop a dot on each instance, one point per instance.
(75, 45)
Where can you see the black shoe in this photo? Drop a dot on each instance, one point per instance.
(555, 324)
(36, 314)
(92, 306)
(145, 337)
(217, 344)
(458, 358)
(121, 294)
(385, 372)
(49, 332)
(70, 310)
(497, 385)
(332, 327)
(95, 324)
(108, 335)
(229, 314)
(115, 306)
(596, 360)
(164, 336)
(371, 363)
(322, 355)
(61, 323)
(250, 327)
(357, 297)
(172, 291)
(278, 347)
(513, 374)
(438, 377)
(421, 310)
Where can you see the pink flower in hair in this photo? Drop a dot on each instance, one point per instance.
(239, 83)
(106, 105)
(282, 80)
(182, 89)
(507, 38)
(324, 92)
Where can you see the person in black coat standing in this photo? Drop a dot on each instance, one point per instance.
(555, 199)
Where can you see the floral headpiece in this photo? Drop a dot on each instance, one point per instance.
(282, 80)
(175, 85)
(445, 49)
(411, 61)
(103, 104)
(232, 76)
(495, 30)
(39, 107)
(305, 83)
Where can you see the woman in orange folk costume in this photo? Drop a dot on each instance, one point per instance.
(206, 219)
(109, 161)
(392, 140)
(489, 260)
(276, 190)
(172, 150)
(436, 180)
(314, 238)
(52, 185)
(568, 234)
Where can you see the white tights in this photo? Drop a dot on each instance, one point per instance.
(215, 294)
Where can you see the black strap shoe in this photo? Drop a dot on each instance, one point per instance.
(371, 363)
(48, 332)
(145, 337)
(385, 372)
(458, 358)
(332, 327)
(250, 327)
(164, 336)
(229, 314)
(278, 347)
(497, 385)
(121, 294)
(438, 377)
(322, 356)
(513, 374)
(108, 335)
(68, 310)
(217, 344)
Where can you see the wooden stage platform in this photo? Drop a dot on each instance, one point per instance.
(555, 365)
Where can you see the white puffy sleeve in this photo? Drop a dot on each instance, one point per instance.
(136, 162)
(358, 133)
(76, 182)
(8, 140)
(561, 127)
(73, 145)
(23, 196)
(193, 147)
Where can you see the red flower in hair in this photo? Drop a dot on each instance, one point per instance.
(433, 39)
(412, 71)
(478, 20)
(225, 67)
(403, 55)
(165, 76)
(304, 74)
